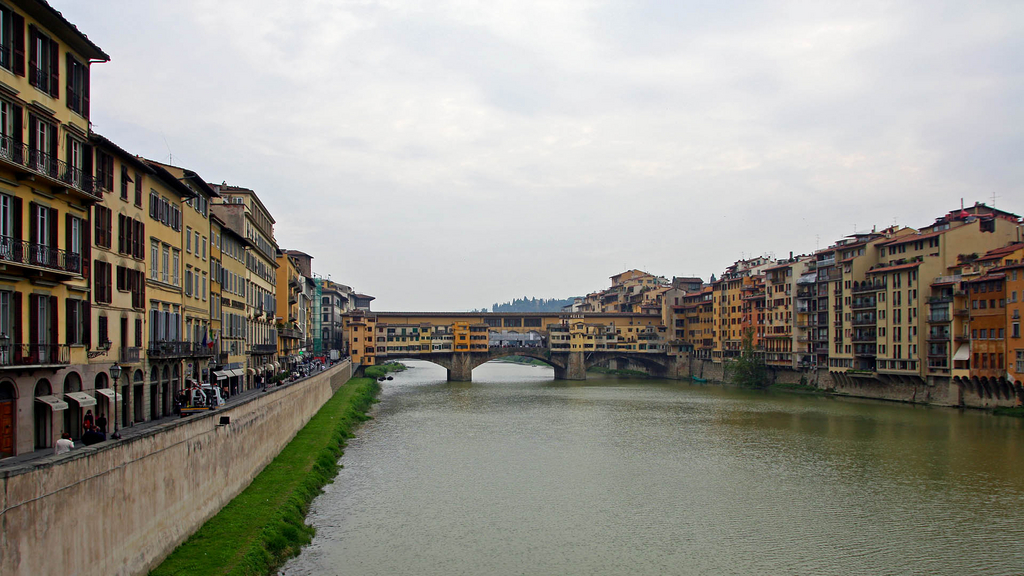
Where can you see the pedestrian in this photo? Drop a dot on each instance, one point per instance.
(87, 422)
(65, 444)
(91, 436)
(101, 423)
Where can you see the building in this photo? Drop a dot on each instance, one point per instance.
(242, 211)
(48, 190)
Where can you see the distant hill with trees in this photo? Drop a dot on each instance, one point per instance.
(525, 304)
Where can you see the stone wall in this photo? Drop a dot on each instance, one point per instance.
(119, 509)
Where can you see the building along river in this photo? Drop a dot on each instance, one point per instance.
(516, 473)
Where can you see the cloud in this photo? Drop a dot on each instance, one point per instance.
(441, 155)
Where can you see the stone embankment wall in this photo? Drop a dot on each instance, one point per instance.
(940, 392)
(119, 509)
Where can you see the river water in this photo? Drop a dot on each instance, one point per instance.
(516, 473)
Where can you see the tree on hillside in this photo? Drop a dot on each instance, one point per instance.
(749, 370)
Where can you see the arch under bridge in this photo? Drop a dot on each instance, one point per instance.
(568, 365)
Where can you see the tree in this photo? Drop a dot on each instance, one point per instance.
(749, 370)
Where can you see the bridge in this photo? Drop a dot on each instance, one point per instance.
(571, 343)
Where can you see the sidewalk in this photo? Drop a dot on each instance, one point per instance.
(139, 428)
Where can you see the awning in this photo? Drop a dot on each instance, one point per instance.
(237, 372)
(252, 372)
(963, 352)
(221, 374)
(55, 404)
(275, 366)
(110, 394)
(82, 398)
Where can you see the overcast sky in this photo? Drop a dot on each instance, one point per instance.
(447, 155)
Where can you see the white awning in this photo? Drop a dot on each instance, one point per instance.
(55, 404)
(110, 394)
(221, 374)
(252, 372)
(963, 352)
(236, 372)
(82, 398)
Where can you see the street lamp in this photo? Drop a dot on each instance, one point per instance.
(115, 377)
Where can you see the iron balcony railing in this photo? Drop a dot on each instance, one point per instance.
(47, 165)
(131, 355)
(264, 348)
(939, 316)
(170, 349)
(34, 354)
(24, 252)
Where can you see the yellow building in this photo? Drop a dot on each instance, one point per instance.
(228, 313)
(195, 263)
(118, 265)
(46, 190)
(241, 210)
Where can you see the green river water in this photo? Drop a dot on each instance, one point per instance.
(516, 473)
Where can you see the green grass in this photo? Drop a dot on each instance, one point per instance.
(266, 524)
(1016, 411)
(382, 369)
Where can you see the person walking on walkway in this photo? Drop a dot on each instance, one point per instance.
(65, 444)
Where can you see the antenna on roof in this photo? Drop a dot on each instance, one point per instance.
(170, 157)
(994, 199)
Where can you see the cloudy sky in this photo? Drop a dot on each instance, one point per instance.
(450, 154)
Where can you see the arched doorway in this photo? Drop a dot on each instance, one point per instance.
(154, 398)
(43, 416)
(175, 388)
(103, 403)
(138, 387)
(8, 418)
(73, 415)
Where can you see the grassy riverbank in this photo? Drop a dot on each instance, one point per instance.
(266, 524)
(382, 369)
(1016, 411)
(523, 360)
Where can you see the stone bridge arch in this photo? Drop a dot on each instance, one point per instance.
(657, 365)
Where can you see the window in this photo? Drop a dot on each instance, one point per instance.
(154, 259)
(124, 182)
(102, 334)
(138, 189)
(42, 143)
(176, 265)
(188, 281)
(188, 239)
(165, 261)
(103, 224)
(43, 57)
(78, 86)
(76, 321)
(105, 171)
(204, 247)
(102, 287)
(12, 41)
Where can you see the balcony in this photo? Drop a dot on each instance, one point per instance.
(291, 333)
(830, 261)
(862, 304)
(169, 349)
(129, 356)
(864, 321)
(263, 349)
(59, 171)
(961, 312)
(869, 287)
(936, 317)
(940, 299)
(865, 337)
(201, 351)
(25, 355)
(39, 256)
(938, 337)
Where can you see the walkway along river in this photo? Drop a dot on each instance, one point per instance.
(516, 473)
